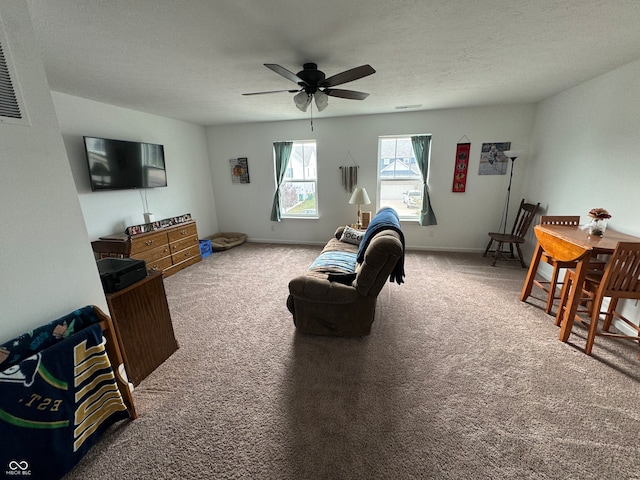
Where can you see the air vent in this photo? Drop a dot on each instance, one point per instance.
(11, 110)
(8, 102)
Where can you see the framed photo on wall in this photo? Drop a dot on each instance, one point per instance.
(239, 170)
(492, 160)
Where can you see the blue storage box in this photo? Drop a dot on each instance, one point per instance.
(205, 248)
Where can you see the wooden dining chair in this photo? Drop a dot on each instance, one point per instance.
(619, 280)
(526, 213)
(551, 287)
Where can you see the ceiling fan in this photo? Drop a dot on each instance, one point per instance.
(313, 84)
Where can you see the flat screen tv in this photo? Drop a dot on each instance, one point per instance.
(120, 164)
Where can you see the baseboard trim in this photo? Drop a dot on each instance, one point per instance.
(408, 247)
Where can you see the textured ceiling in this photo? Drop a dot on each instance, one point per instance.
(192, 59)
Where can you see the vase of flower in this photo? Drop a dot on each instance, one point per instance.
(598, 223)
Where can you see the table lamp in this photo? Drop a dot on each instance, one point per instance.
(359, 198)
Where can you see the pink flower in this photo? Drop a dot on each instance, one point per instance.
(599, 213)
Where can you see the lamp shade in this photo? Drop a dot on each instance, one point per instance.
(513, 154)
(302, 100)
(322, 100)
(359, 197)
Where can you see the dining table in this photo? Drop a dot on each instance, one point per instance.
(571, 244)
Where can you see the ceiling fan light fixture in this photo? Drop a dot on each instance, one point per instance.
(302, 100)
(312, 82)
(322, 100)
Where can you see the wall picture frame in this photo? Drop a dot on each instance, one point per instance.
(239, 170)
(492, 160)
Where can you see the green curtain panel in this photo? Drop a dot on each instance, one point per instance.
(283, 152)
(421, 147)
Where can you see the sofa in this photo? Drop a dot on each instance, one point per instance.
(337, 295)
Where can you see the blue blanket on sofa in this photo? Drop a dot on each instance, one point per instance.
(386, 219)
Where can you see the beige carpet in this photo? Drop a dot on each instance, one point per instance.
(458, 380)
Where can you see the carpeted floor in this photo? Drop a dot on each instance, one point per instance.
(458, 380)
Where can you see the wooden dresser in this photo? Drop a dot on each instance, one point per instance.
(168, 250)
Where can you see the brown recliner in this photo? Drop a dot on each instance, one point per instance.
(324, 307)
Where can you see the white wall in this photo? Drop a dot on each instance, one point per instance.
(587, 149)
(188, 174)
(47, 266)
(586, 155)
(463, 218)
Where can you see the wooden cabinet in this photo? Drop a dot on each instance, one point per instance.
(168, 250)
(142, 322)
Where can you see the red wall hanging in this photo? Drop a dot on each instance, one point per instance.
(462, 167)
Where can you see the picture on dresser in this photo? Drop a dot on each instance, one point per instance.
(157, 225)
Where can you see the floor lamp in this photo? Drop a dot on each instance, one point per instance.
(512, 154)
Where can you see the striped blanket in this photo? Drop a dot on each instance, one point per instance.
(57, 395)
(334, 262)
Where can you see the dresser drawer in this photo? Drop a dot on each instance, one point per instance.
(147, 242)
(159, 265)
(183, 255)
(179, 266)
(184, 243)
(181, 232)
(153, 254)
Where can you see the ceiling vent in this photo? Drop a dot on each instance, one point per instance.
(11, 110)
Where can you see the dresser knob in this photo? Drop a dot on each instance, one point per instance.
(148, 242)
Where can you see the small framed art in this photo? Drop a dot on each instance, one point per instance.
(239, 170)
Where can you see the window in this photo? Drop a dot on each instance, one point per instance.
(298, 190)
(399, 177)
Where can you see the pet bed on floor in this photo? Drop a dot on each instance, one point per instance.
(226, 240)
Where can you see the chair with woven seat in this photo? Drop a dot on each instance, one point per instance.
(551, 287)
(526, 213)
(619, 280)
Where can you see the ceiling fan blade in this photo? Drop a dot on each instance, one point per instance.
(284, 72)
(271, 91)
(347, 76)
(349, 94)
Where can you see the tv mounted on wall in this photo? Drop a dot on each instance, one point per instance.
(120, 164)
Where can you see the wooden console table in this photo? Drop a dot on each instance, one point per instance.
(142, 322)
(167, 250)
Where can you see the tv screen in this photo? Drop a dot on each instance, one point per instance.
(120, 164)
